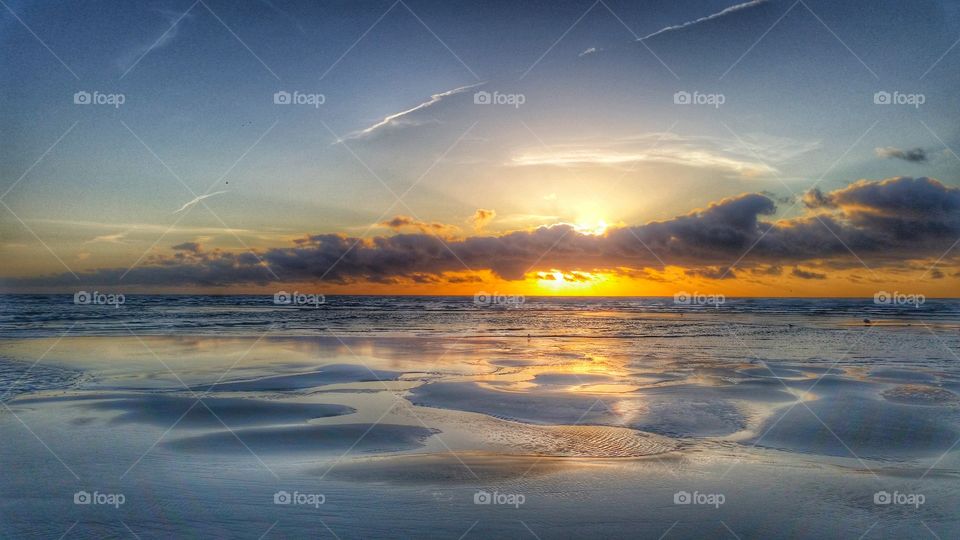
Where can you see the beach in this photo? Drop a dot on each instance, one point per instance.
(750, 421)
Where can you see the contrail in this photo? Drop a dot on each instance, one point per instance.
(188, 204)
(710, 17)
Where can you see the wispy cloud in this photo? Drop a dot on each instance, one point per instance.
(197, 199)
(407, 117)
(753, 157)
(174, 21)
(115, 238)
(722, 13)
(676, 156)
(151, 228)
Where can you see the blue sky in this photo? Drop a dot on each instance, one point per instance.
(598, 136)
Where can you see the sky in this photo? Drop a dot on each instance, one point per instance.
(767, 148)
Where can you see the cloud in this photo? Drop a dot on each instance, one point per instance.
(406, 222)
(713, 272)
(896, 202)
(806, 274)
(886, 223)
(116, 238)
(405, 118)
(174, 21)
(192, 247)
(816, 199)
(197, 199)
(481, 218)
(722, 13)
(145, 227)
(771, 270)
(748, 157)
(570, 277)
(915, 155)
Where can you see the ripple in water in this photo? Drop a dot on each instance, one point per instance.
(17, 378)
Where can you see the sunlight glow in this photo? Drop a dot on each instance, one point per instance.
(574, 281)
(595, 228)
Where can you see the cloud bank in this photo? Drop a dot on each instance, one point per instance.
(886, 223)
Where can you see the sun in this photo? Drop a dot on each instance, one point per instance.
(591, 227)
(571, 282)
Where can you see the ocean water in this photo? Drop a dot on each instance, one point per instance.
(438, 417)
(612, 317)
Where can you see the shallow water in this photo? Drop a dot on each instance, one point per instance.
(794, 413)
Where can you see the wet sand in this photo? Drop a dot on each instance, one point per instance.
(400, 437)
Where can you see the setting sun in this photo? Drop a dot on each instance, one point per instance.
(558, 282)
(592, 227)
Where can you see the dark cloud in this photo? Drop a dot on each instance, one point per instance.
(816, 199)
(713, 272)
(885, 223)
(807, 274)
(465, 279)
(407, 222)
(192, 247)
(772, 270)
(915, 155)
(565, 276)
